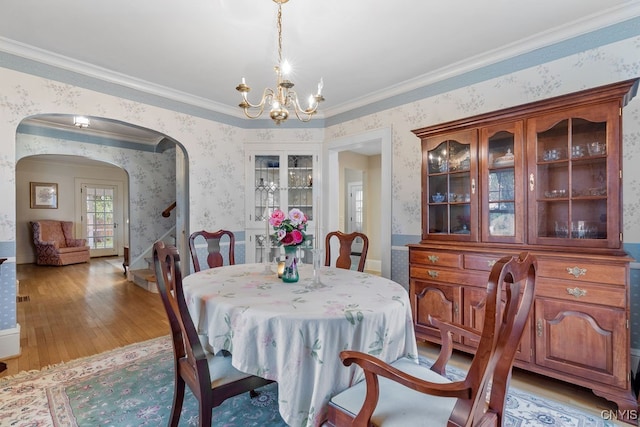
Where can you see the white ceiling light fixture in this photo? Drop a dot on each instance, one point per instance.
(282, 98)
(81, 122)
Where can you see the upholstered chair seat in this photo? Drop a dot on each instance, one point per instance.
(397, 407)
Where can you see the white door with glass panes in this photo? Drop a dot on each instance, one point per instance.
(99, 218)
(278, 180)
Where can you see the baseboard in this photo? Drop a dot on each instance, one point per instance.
(10, 342)
(373, 265)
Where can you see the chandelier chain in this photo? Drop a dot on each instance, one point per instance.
(279, 34)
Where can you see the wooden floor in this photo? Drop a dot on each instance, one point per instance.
(81, 310)
(84, 309)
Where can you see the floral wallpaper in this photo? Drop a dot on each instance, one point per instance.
(215, 152)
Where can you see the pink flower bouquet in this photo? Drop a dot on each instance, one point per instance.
(290, 229)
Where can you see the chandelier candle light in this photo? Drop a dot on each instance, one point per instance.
(283, 97)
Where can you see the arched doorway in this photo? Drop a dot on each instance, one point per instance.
(155, 164)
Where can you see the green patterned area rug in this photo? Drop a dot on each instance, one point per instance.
(133, 386)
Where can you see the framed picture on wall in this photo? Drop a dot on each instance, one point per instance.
(44, 195)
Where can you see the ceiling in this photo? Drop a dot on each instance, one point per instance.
(197, 51)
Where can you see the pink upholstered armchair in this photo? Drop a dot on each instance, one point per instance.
(55, 244)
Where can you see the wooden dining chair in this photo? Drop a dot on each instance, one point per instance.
(213, 240)
(405, 393)
(346, 249)
(211, 378)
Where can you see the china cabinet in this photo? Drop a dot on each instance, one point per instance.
(544, 177)
(278, 179)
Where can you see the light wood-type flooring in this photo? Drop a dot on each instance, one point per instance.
(81, 310)
(84, 309)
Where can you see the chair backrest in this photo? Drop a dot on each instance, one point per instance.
(50, 231)
(186, 344)
(346, 242)
(213, 240)
(509, 299)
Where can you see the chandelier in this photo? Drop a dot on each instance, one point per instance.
(282, 98)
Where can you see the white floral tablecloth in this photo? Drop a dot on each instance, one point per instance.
(293, 332)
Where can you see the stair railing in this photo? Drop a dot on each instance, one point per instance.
(167, 212)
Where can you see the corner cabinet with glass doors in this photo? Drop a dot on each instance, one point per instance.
(278, 179)
(544, 177)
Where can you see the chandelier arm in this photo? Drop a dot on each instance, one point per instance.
(305, 118)
(292, 97)
(267, 95)
(258, 113)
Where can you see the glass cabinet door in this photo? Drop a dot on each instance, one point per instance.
(450, 196)
(300, 195)
(571, 167)
(267, 186)
(300, 184)
(280, 181)
(501, 154)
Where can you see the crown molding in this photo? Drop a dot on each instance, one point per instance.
(612, 16)
(65, 63)
(514, 49)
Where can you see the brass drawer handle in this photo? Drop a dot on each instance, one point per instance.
(539, 327)
(576, 271)
(576, 292)
(432, 273)
(433, 258)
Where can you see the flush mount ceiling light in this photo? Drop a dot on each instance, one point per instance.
(81, 122)
(282, 98)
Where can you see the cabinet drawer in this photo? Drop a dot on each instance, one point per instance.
(481, 262)
(583, 271)
(441, 259)
(458, 277)
(581, 292)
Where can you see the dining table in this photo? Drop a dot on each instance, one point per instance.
(293, 333)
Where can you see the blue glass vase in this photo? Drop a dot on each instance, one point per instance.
(290, 274)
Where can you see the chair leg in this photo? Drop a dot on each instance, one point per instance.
(253, 393)
(205, 416)
(178, 398)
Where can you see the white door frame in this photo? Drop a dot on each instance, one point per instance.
(381, 138)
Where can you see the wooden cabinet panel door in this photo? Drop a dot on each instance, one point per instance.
(474, 305)
(582, 340)
(438, 300)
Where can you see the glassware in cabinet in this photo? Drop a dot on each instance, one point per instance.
(502, 195)
(571, 179)
(300, 183)
(451, 187)
(267, 186)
